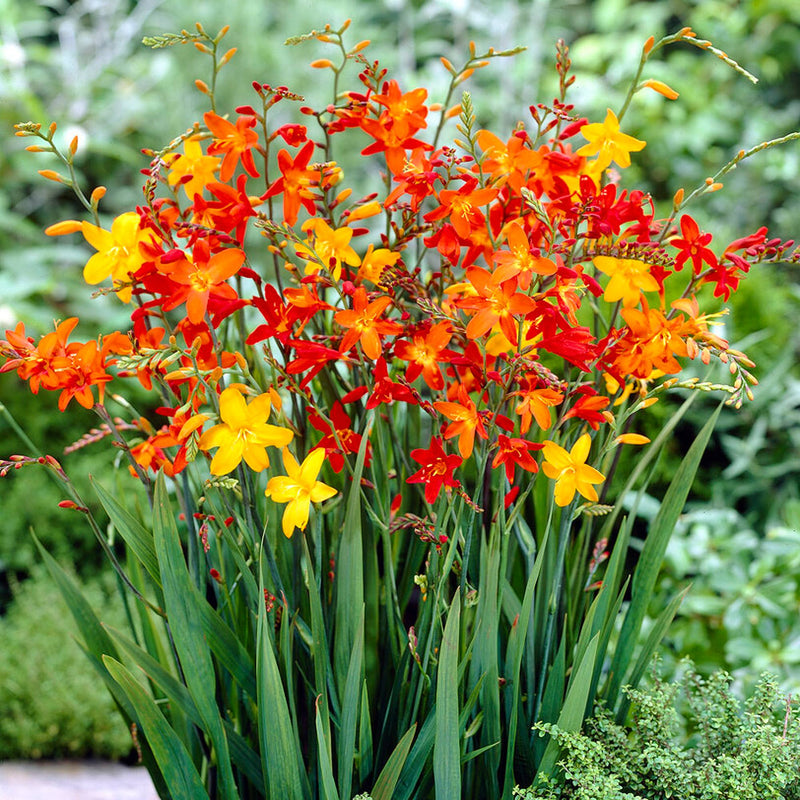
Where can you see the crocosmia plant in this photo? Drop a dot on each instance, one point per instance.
(379, 431)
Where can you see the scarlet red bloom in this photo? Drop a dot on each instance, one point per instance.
(693, 246)
(295, 182)
(437, 469)
(364, 325)
(515, 452)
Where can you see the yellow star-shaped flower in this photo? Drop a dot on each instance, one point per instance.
(608, 142)
(570, 470)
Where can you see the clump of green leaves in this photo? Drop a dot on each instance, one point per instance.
(690, 738)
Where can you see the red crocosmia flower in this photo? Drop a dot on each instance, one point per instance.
(364, 325)
(406, 111)
(437, 469)
(203, 277)
(693, 246)
(588, 407)
(428, 347)
(466, 421)
(311, 358)
(235, 141)
(339, 439)
(230, 211)
(515, 452)
(279, 317)
(386, 390)
(576, 345)
(292, 133)
(294, 183)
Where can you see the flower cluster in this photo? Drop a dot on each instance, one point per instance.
(505, 288)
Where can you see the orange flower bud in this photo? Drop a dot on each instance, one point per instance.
(52, 128)
(32, 148)
(322, 63)
(648, 45)
(98, 194)
(51, 175)
(201, 86)
(62, 228)
(202, 48)
(467, 73)
(678, 199)
(661, 88)
(453, 111)
(345, 25)
(367, 210)
(73, 145)
(360, 46)
(632, 438)
(228, 56)
(448, 66)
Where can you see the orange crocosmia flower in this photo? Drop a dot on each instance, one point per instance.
(235, 141)
(375, 262)
(299, 488)
(407, 111)
(494, 303)
(426, 349)
(535, 404)
(56, 364)
(629, 278)
(202, 277)
(193, 170)
(651, 342)
(118, 253)
(462, 207)
(518, 261)
(570, 470)
(609, 143)
(466, 421)
(243, 433)
(295, 182)
(506, 162)
(364, 324)
(328, 248)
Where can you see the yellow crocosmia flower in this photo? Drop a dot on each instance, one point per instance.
(202, 168)
(243, 433)
(328, 248)
(629, 278)
(299, 488)
(608, 142)
(118, 254)
(570, 470)
(375, 262)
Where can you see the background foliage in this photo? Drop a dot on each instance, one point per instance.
(82, 64)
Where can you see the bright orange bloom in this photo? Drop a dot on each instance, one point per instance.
(243, 433)
(466, 421)
(193, 170)
(364, 325)
(494, 303)
(536, 404)
(202, 277)
(570, 470)
(507, 162)
(609, 143)
(235, 141)
(295, 182)
(462, 207)
(518, 261)
(56, 364)
(299, 488)
(629, 278)
(328, 248)
(118, 253)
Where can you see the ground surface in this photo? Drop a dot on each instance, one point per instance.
(73, 780)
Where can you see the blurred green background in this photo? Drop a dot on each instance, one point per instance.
(82, 64)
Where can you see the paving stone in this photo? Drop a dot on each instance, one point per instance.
(74, 780)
